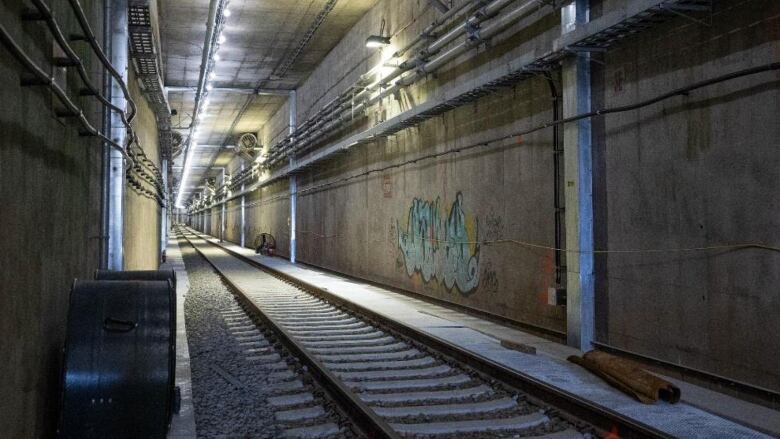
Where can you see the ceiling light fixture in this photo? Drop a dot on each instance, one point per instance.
(376, 41)
(200, 106)
(185, 174)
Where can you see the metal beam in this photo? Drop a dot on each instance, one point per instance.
(293, 104)
(231, 90)
(243, 213)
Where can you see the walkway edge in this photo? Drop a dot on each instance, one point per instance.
(183, 423)
(597, 415)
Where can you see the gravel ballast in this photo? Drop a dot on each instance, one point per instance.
(245, 385)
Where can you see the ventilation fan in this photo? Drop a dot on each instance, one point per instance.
(176, 144)
(248, 146)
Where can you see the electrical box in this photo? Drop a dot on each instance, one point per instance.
(556, 296)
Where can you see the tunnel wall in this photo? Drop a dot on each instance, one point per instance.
(689, 173)
(693, 172)
(365, 227)
(143, 216)
(50, 180)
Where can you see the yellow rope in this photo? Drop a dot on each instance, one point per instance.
(546, 247)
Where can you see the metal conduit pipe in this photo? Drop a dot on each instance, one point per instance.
(90, 37)
(481, 15)
(117, 43)
(46, 15)
(207, 51)
(494, 141)
(362, 101)
(56, 31)
(492, 29)
(470, 25)
(428, 31)
(43, 79)
(326, 114)
(425, 52)
(311, 123)
(348, 96)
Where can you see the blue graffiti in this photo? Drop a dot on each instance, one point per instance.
(440, 249)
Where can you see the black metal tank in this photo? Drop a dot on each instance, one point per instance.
(152, 275)
(138, 275)
(118, 376)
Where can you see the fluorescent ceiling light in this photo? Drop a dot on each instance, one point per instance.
(217, 57)
(221, 39)
(226, 12)
(185, 175)
(375, 41)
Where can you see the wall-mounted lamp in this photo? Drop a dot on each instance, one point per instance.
(375, 41)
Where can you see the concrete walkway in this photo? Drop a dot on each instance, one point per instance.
(701, 414)
(183, 423)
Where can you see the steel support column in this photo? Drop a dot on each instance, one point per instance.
(222, 212)
(165, 211)
(243, 212)
(579, 188)
(293, 179)
(119, 49)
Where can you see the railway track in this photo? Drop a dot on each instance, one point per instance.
(389, 383)
(298, 407)
(264, 378)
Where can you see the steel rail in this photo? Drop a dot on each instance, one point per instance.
(601, 417)
(357, 410)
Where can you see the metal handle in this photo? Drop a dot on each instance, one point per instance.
(111, 324)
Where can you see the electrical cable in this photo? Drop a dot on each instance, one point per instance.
(47, 16)
(49, 81)
(90, 36)
(56, 31)
(133, 164)
(601, 112)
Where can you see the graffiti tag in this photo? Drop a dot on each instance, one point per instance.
(438, 248)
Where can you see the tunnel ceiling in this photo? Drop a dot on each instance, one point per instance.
(261, 36)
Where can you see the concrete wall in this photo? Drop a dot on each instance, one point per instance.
(697, 171)
(50, 221)
(50, 193)
(691, 172)
(143, 216)
(365, 227)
